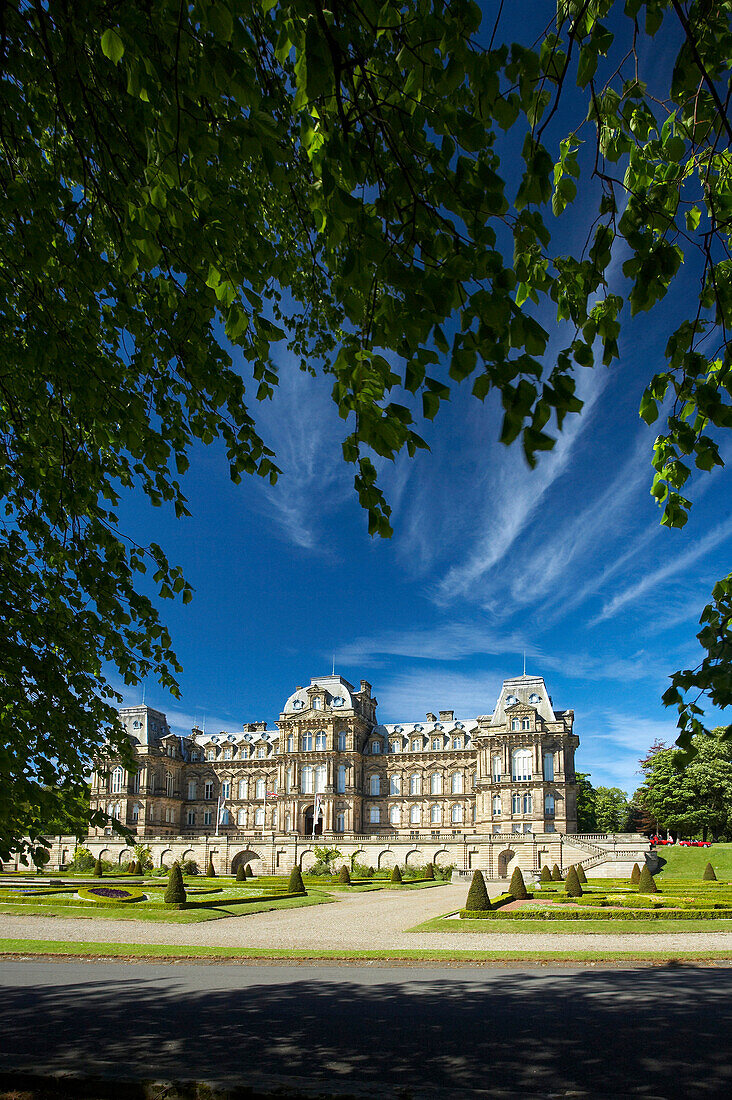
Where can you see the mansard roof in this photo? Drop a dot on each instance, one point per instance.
(527, 690)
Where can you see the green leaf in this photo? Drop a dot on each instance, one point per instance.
(112, 45)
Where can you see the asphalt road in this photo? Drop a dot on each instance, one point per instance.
(660, 1032)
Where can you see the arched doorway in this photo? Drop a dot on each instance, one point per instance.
(308, 823)
(504, 860)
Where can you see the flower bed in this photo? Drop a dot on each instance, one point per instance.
(110, 895)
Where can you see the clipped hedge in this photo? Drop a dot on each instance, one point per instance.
(574, 914)
(556, 874)
(477, 899)
(709, 875)
(546, 875)
(635, 875)
(113, 895)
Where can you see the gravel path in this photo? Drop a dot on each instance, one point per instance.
(359, 922)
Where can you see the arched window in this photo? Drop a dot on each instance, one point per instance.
(496, 805)
(227, 753)
(436, 744)
(136, 810)
(416, 744)
(515, 724)
(136, 782)
(320, 779)
(288, 823)
(394, 746)
(241, 817)
(320, 741)
(191, 790)
(306, 742)
(456, 782)
(118, 776)
(528, 804)
(225, 817)
(435, 783)
(374, 785)
(516, 804)
(242, 788)
(259, 816)
(457, 742)
(375, 747)
(456, 815)
(549, 805)
(435, 815)
(525, 723)
(340, 823)
(549, 767)
(210, 754)
(342, 741)
(169, 784)
(290, 743)
(260, 789)
(395, 815)
(318, 702)
(341, 782)
(496, 769)
(307, 779)
(226, 789)
(395, 784)
(415, 815)
(521, 764)
(288, 780)
(415, 784)
(374, 815)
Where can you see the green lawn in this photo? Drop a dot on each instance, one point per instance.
(689, 863)
(573, 927)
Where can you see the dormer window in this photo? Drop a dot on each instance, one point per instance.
(227, 754)
(375, 747)
(317, 702)
(534, 699)
(210, 754)
(298, 704)
(510, 700)
(417, 744)
(515, 724)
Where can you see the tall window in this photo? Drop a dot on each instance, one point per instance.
(320, 741)
(456, 815)
(226, 789)
(521, 764)
(208, 789)
(117, 780)
(242, 788)
(415, 815)
(136, 812)
(306, 742)
(191, 789)
(436, 744)
(227, 753)
(340, 823)
(395, 815)
(435, 815)
(415, 786)
(191, 819)
(136, 782)
(549, 767)
(416, 744)
(395, 784)
(290, 743)
(528, 804)
(288, 823)
(342, 741)
(320, 779)
(259, 816)
(435, 783)
(516, 804)
(496, 769)
(375, 748)
(393, 746)
(525, 723)
(169, 784)
(260, 789)
(210, 754)
(307, 779)
(341, 779)
(225, 817)
(261, 752)
(549, 805)
(456, 783)
(241, 817)
(374, 815)
(207, 815)
(374, 785)
(288, 780)
(318, 703)
(496, 805)
(457, 742)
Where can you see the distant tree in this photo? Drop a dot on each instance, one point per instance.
(143, 854)
(695, 798)
(477, 900)
(611, 809)
(517, 888)
(327, 856)
(249, 871)
(586, 814)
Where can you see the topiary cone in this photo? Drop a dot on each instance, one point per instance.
(546, 875)
(646, 884)
(249, 871)
(477, 900)
(98, 869)
(429, 871)
(572, 885)
(295, 884)
(709, 875)
(581, 873)
(396, 875)
(344, 876)
(241, 873)
(175, 893)
(556, 874)
(138, 868)
(210, 870)
(635, 874)
(517, 889)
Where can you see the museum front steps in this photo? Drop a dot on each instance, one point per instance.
(601, 855)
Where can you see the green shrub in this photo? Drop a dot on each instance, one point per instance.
(189, 866)
(429, 872)
(241, 873)
(344, 876)
(556, 874)
(546, 875)
(646, 884)
(581, 874)
(82, 863)
(175, 893)
(210, 870)
(572, 885)
(98, 870)
(517, 887)
(396, 875)
(709, 875)
(250, 872)
(477, 899)
(295, 884)
(635, 875)
(372, 872)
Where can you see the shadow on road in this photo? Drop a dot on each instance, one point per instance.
(656, 1032)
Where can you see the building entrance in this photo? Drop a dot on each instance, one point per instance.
(308, 823)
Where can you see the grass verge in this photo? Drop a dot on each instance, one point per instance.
(572, 927)
(138, 912)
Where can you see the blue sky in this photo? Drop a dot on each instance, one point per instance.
(489, 559)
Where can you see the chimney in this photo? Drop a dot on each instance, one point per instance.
(447, 715)
(366, 688)
(430, 716)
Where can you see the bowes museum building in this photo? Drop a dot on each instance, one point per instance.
(490, 792)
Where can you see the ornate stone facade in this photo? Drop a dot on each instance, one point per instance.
(329, 767)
